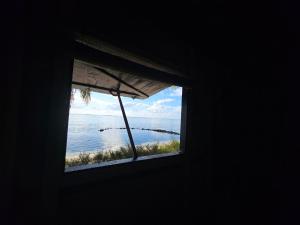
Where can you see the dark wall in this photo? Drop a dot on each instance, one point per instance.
(243, 171)
(236, 156)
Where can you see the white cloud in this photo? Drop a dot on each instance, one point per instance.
(177, 92)
(95, 106)
(159, 109)
(133, 108)
(164, 100)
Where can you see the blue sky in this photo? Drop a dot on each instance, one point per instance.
(165, 104)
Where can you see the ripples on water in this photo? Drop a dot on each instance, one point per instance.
(83, 134)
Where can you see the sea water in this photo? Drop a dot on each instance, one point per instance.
(84, 134)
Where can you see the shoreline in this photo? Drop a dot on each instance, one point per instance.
(69, 156)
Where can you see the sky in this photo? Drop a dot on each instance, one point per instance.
(165, 104)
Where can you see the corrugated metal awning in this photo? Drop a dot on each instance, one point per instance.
(110, 81)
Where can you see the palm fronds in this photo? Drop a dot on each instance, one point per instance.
(85, 95)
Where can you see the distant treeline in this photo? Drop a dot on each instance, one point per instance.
(133, 128)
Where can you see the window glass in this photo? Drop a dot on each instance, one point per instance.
(97, 133)
(87, 143)
(155, 121)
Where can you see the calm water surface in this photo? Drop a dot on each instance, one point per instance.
(83, 134)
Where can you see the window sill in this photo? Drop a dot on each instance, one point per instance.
(80, 175)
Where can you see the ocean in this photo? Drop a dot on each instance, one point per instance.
(84, 134)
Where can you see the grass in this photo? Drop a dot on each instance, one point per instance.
(122, 153)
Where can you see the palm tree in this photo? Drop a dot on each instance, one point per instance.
(84, 93)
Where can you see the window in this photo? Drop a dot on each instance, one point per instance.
(116, 117)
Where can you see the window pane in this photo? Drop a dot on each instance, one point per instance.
(93, 132)
(155, 121)
(97, 133)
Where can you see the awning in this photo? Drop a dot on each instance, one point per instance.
(109, 81)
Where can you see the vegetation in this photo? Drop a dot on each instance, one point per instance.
(122, 153)
(85, 94)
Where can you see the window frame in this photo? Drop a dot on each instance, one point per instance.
(94, 172)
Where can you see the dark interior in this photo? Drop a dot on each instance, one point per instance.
(234, 170)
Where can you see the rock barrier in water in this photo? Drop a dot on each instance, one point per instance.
(133, 128)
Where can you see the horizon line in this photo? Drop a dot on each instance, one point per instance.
(122, 116)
